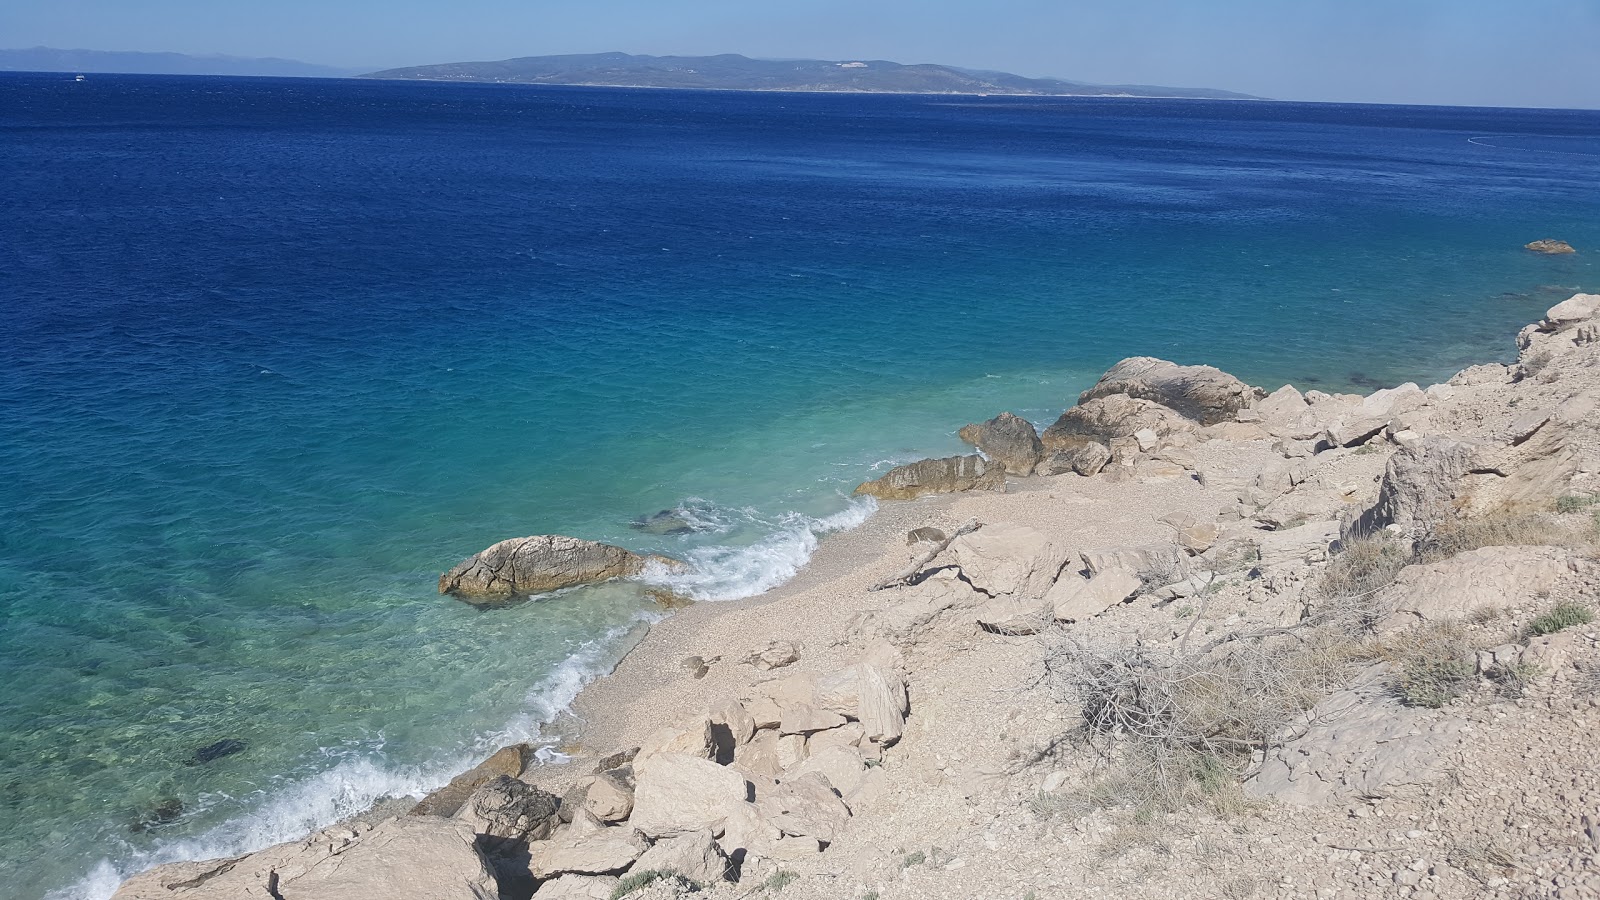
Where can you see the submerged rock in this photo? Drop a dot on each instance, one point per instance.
(667, 521)
(1009, 441)
(936, 476)
(1549, 246)
(211, 752)
(533, 565)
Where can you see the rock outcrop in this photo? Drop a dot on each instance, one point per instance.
(1549, 246)
(936, 476)
(1009, 441)
(448, 800)
(1419, 488)
(1202, 393)
(1112, 420)
(408, 858)
(534, 565)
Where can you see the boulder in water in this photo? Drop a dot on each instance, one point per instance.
(667, 521)
(534, 565)
(210, 752)
(1009, 441)
(936, 476)
(1549, 247)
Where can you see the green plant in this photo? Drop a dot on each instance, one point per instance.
(1559, 617)
(779, 880)
(1183, 612)
(636, 880)
(870, 895)
(916, 858)
(1512, 680)
(1361, 569)
(1576, 502)
(1435, 664)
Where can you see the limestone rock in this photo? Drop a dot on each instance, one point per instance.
(694, 739)
(407, 858)
(1362, 743)
(759, 756)
(1202, 393)
(924, 534)
(730, 716)
(1549, 246)
(610, 798)
(1009, 441)
(805, 806)
(775, 655)
(1014, 616)
(791, 750)
(533, 565)
(694, 856)
(936, 476)
(1194, 534)
(842, 766)
(1286, 414)
(1304, 543)
(1076, 599)
(1419, 488)
(579, 887)
(506, 813)
(804, 719)
(1112, 418)
(593, 850)
(1086, 459)
(1374, 413)
(1008, 560)
(873, 696)
(678, 794)
(1574, 309)
(1492, 577)
(447, 801)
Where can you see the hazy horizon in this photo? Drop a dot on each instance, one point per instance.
(1466, 53)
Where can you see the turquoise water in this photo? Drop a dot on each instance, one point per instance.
(280, 352)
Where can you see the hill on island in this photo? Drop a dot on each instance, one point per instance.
(730, 71)
(50, 59)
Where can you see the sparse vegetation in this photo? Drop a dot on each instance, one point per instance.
(1513, 680)
(779, 880)
(1363, 568)
(638, 880)
(1435, 663)
(916, 858)
(1499, 530)
(1559, 618)
(1483, 860)
(1572, 503)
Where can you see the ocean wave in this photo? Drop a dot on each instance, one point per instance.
(364, 777)
(726, 572)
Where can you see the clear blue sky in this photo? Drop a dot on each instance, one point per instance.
(1477, 52)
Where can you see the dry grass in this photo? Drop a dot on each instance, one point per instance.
(1435, 663)
(1505, 529)
(1357, 573)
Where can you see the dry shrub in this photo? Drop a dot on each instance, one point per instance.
(1435, 663)
(1502, 529)
(1361, 569)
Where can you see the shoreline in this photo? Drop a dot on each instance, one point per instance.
(1285, 475)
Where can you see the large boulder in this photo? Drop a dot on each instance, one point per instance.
(1075, 599)
(534, 565)
(805, 806)
(1085, 459)
(1205, 394)
(695, 856)
(1419, 488)
(506, 813)
(1010, 441)
(586, 847)
(1112, 421)
(1008, 559)
(936, 476)
(408, 858)
(678, 794)
(876, 697)
(1549, 247)
(447, 801)
(1486, 578)
(1368, 418)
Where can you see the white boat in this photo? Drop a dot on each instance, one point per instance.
(79, 78)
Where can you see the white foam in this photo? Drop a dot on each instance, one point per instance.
(356, 782)
(734, 572)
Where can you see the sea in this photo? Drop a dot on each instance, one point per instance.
(276, 353)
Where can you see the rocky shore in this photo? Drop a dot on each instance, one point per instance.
(1190, 640)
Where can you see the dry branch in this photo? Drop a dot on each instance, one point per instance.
(905, 575)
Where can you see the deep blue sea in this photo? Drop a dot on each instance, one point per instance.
(276, 353)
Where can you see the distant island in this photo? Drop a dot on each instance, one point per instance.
(50, 59)
(730, 71)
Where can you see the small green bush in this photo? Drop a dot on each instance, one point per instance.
(638, 880)
(1435, 663)
(780, 880)
(1513, 680)
(1560, 617)
(913, 859)
(1575, 502)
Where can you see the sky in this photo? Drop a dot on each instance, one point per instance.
(1462, 52)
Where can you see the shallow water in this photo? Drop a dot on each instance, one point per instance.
(279, 352)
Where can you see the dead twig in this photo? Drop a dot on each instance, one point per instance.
(905, 575)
